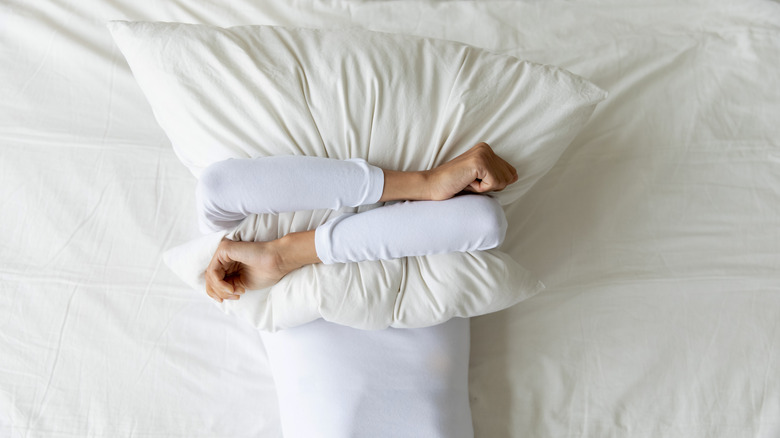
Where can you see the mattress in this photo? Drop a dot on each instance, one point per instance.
(657, 233)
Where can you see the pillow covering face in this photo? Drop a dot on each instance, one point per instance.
(400, 102)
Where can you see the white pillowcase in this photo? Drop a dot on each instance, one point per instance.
(334, 381)
(404, 293)
(400, 102)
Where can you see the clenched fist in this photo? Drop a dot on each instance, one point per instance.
(477, 170)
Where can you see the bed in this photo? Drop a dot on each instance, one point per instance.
(657, 233)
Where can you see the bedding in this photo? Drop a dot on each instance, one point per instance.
(397, 101)
(337, 94)
(655, 232)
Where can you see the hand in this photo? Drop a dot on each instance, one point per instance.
(240, 266)
(477, 170)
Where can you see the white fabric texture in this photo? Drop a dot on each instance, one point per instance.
(399, 102)
(335, 382)
(655, 232)
(413, 228)
(229, 191)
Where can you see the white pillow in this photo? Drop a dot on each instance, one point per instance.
(400, 102)
(334, 381)
(404, 293)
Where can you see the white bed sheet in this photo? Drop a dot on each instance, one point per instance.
(657, 234)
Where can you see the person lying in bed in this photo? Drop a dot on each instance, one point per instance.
(432, 219)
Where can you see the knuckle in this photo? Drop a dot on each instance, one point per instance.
(224, 248)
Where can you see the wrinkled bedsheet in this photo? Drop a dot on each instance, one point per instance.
(657, 233)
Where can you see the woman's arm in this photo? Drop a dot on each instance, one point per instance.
(478, 170)
(238, 266)
(230, 190)
(412, 228)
